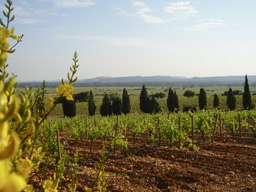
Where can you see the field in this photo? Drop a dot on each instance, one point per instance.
(135, 163)
(226, 165)
(204, 151)
(134, 93)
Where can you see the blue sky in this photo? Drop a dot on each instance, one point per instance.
(128, 37)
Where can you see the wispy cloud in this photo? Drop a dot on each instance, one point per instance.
(25, 14)
(138, 4)
(119, 41)
(181, 10)
(177, 10)
(143, 12)
(70, 3)
(209, 24)
(28, 20)
(73, 3)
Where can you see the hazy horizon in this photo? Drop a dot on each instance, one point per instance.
(200, 38)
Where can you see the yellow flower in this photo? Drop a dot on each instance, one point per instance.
(50, 100)
(9, 182)
(14, 183)
(65, 90)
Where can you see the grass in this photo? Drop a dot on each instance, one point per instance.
(134, 93)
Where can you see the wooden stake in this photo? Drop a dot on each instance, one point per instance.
(192, 122)
(179, 130)
(240, 127)
(220, 123)
(58, 142)
(159, 131)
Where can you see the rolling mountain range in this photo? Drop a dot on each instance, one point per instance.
(153, 81)
(168, 79)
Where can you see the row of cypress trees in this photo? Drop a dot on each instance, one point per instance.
(148, 104)
(116, 106)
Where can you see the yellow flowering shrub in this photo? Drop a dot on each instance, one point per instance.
(19, 127)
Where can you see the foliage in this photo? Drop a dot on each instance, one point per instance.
(189, 108)
(247, 101)
(202, 99)
(91, 104)
(116, 106)
(158, 95)
(144, 100)
(69, 108)
(155, 107)
(231, 100)
(235, 92)
(106, 107)
(176, 102)
(81, 97)
(170, 100)
(126, 106)
(189, 93)
(21, 147)
(216, 101)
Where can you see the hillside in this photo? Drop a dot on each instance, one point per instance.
(153, 81)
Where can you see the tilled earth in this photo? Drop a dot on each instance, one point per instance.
(228, 164)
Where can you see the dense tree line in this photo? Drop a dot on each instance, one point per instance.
(148, 103)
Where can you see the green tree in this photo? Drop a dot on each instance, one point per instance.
(106, 107)
(126, 106)
(155, 107)
(216, 101)
(144, 100)
(231, 100)
(170, 100)
(189, 93)
(69, 107)
(202, 99)
(116, 106)
(247, 101)
(176, 102)
(91, 104)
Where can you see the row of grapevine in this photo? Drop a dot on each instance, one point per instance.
(182, 129)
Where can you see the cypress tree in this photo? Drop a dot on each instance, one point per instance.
(231, 100)
(247, 101)
(155, 107)
(202, 99)
(116, 106)
(176, 102)
(144, 100)
(106, 107)
(216, 101)
(91, 105)
(69, 108)
(126, 106)
(170, 100)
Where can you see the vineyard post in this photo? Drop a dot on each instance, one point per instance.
(117, 120)
(58, 142)
(214, 129)
(240, 127)
(192, 124)
(179, 130)
(86, 128)
(159, 132)
(220, 123)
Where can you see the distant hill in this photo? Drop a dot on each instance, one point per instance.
(153, 81)
(134, 79)
(168, 79)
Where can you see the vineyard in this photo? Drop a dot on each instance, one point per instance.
(176, 152)
(40, 150)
